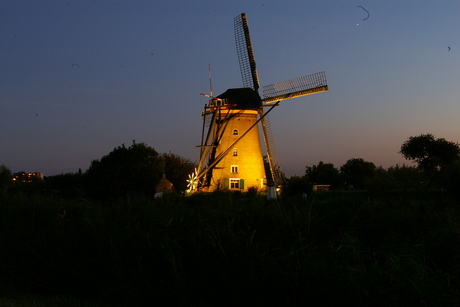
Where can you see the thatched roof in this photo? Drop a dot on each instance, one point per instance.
(242, 98)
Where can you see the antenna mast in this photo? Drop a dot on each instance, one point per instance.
(210, 82)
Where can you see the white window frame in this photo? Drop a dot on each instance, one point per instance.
(234, 183)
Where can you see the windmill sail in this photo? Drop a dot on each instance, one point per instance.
(277, 174)
(306, 85)
(245, 53)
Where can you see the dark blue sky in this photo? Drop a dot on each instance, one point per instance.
(78, 78)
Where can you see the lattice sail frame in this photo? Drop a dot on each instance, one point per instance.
(306, 85)
(245, 53)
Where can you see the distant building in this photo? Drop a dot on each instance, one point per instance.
(27, 177)
(321, 187)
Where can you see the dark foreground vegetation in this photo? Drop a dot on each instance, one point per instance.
(100, 238)
(228, 249)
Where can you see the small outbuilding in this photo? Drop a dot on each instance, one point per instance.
(165, 186)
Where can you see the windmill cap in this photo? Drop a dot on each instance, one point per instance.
(242, 98)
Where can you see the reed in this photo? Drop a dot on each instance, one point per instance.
(226, 249)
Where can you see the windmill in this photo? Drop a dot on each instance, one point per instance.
(230, 152)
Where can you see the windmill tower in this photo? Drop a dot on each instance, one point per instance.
(230, 152)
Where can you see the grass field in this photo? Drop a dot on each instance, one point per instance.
(226, 249)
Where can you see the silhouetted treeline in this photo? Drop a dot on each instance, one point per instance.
(137, 169)
(126, 171)
(436, 165)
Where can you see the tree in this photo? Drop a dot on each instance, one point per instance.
(358, 173)
(297, 186)
(5, 178)
(432, 155)
(405, 175)
(451, 180)
(323, 173)
(126, 171)
(68, 184)
(177, 170)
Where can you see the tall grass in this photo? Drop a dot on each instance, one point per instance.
(227, 249)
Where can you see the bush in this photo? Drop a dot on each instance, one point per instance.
(226, 249)
(125, 172)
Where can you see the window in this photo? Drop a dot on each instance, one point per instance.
(235, 132)
(235, 152)
(234, 183)
(234, 169)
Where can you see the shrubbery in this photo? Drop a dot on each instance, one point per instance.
(105, 239)
(337, 248)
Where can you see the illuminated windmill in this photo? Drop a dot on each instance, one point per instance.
(230, 151)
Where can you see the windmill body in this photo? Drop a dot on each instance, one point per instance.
(242, 166)
(231, 154)
(235, 147)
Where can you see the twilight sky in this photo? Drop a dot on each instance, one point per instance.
(78, 78)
